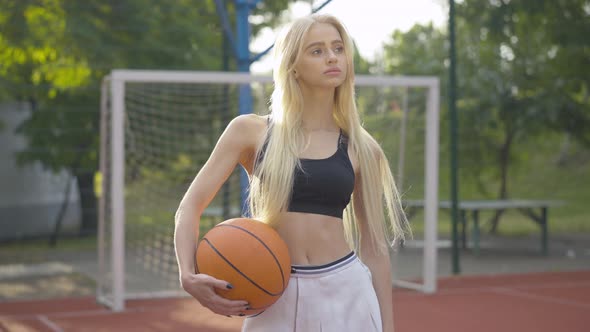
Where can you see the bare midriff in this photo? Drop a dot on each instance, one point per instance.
(313, 239)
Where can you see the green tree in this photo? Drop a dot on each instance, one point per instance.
(54, 54)
(523, 69)
(517, 78)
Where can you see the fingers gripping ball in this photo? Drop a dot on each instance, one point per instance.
(251, 256)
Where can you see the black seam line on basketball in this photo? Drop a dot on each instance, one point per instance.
(262, 307)
(258, 314)
(237, 270)
(267, 248)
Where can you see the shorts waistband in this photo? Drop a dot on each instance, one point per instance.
(325, 269)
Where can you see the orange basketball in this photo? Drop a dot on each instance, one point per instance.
(251, 256)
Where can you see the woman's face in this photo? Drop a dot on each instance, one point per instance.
(322, 63)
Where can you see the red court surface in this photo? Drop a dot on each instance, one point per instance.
(541, 302)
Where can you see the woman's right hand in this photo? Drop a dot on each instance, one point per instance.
(202, 287)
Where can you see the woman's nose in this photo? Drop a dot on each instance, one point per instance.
(332, 58)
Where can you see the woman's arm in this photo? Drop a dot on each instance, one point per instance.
(378, 263)
(234, 146)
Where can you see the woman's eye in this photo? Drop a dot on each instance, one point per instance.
(339, 49)
(316, 51)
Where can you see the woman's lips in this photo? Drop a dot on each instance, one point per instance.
(333, 71)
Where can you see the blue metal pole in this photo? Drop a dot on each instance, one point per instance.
(243, 8)
(227, 33)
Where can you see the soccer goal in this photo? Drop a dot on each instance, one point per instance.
(159, 127)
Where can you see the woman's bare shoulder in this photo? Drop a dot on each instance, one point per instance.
(250, 120)
(248, 128)
(246, 133)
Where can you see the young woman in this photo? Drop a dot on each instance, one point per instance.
(320, 180)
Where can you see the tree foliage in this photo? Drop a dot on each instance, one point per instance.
(523, 73)
(517, 81)
(54, 54)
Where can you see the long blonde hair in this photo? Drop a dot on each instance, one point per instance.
(272, 181)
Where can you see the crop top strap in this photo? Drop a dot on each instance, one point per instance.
(343, 141)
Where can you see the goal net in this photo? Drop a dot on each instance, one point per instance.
(158, 129)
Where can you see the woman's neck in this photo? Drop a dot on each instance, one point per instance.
(317, 110)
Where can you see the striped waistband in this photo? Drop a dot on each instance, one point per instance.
(313, 271)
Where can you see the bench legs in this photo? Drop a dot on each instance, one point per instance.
(464, 215)
(476, 232)
(464, 224)
(544, 232)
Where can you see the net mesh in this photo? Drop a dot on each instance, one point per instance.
(170, 131)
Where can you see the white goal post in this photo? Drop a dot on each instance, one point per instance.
(137, 132)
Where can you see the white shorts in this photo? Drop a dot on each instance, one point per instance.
(335, 297)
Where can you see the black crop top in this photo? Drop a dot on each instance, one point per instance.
(323, 186)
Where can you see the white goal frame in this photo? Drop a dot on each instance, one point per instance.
(114, 85)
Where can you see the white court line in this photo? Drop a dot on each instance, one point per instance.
(475, 289)
(565, 284)
(516, 293)
(82, 313)
(50, 324)
(57, 314)
(526, 285)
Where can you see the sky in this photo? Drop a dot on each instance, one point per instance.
(369, 22)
